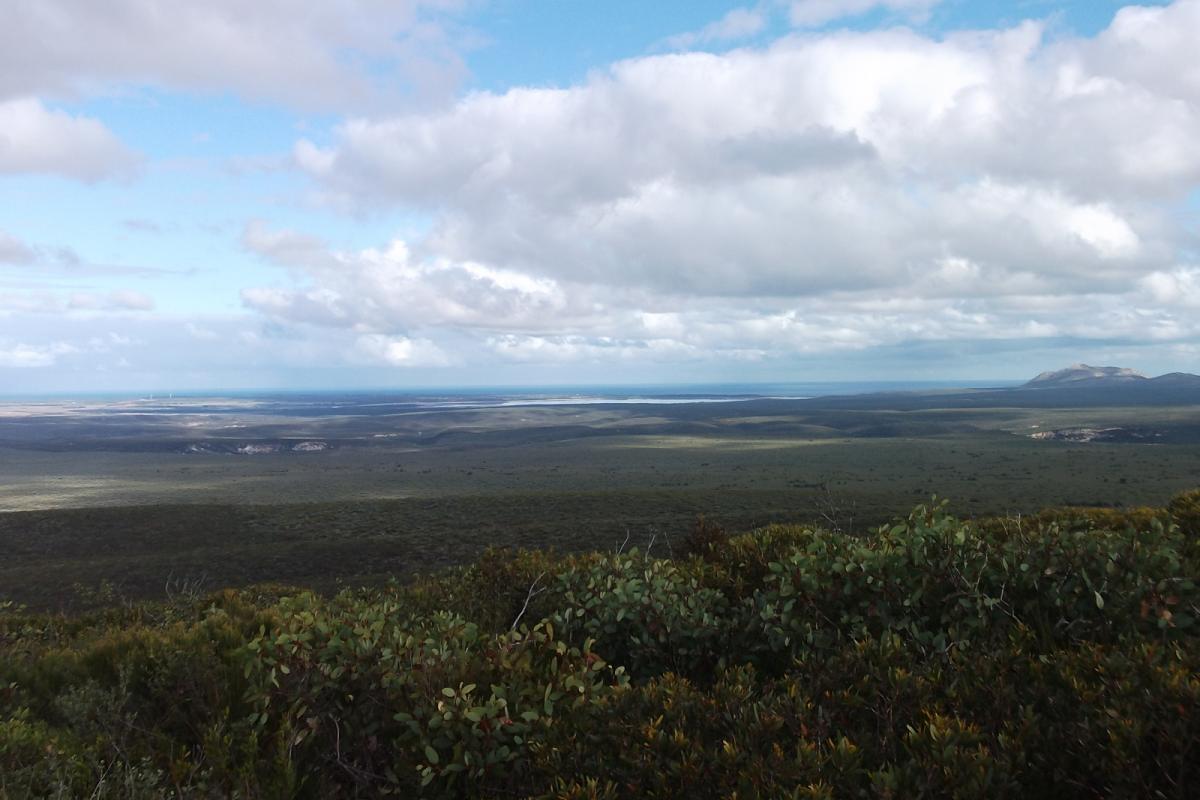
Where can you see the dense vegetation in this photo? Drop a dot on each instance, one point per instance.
(1058, 654)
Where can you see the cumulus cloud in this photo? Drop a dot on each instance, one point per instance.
(1178, 288)
(387, 290)
(405, 313)
(314, 56)
(36, 139)
(817, 161)
(829, 192)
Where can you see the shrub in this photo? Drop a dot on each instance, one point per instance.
(648, 615)
(876, 718)
(942, 584)
(705, 538)
(1185, 510)
(363, 694)
(934, 657)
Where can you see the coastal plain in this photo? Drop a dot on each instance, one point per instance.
(131, 498)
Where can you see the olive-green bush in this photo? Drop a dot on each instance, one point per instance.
(936, 657)
(1184, 509)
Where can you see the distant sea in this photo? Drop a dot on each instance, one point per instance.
(377, 401)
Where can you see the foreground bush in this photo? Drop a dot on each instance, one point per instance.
(934, 657)
(1184, 509)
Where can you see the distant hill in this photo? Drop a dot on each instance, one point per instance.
(1086, 374)
(1182, 379)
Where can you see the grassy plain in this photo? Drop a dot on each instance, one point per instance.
(100, 504)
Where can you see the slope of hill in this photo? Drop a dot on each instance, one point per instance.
(1077, 374)
(1177, 379)
(1085, 376)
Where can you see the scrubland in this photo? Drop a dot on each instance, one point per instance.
(1052, 655)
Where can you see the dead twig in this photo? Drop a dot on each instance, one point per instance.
(533, 592)
(621, 548)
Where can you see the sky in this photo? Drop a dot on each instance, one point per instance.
(414, 193)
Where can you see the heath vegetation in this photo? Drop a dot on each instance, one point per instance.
(933, 656)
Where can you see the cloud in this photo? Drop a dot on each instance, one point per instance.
(201, 333)
(324, 56)
(402, 351)
(1179, 288)
(23, 356)
(286, 248)
(404, 312)
(737, 24)
(35, 139)
(89, 303)
(817, 163)
(14, 251)
(607, 350)
(60, 262)
(386, 290)
(121, 300)
(138, 225)
(814, 13)
(830, 192)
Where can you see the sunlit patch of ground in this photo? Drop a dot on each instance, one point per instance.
(711, 443)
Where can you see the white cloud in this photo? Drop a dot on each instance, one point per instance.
(1179, 288)
(1153, 47)
(831, 192)
(36, 139)
(814, 13)
(736, 24)
(386, 290)
(22, 356)
(559, 349)
(821, 162)
(348, 54)
(402, 351)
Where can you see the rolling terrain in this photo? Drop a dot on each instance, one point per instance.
(320, 491)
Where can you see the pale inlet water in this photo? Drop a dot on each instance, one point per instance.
(384, 401)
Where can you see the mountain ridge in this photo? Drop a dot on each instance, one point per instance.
(1079, 376)
(1085, 373)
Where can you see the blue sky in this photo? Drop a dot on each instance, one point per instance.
(446, 192)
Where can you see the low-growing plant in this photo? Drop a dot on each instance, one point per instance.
(705, 538)
(1184, 509)
(365, 695)
(934, 657)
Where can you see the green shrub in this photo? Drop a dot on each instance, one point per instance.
(364, 694)
(876, 718)
(943, 584)
(490, 592)
(741, 565)
(935, 657)
(648, 615)
(1185, 510)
